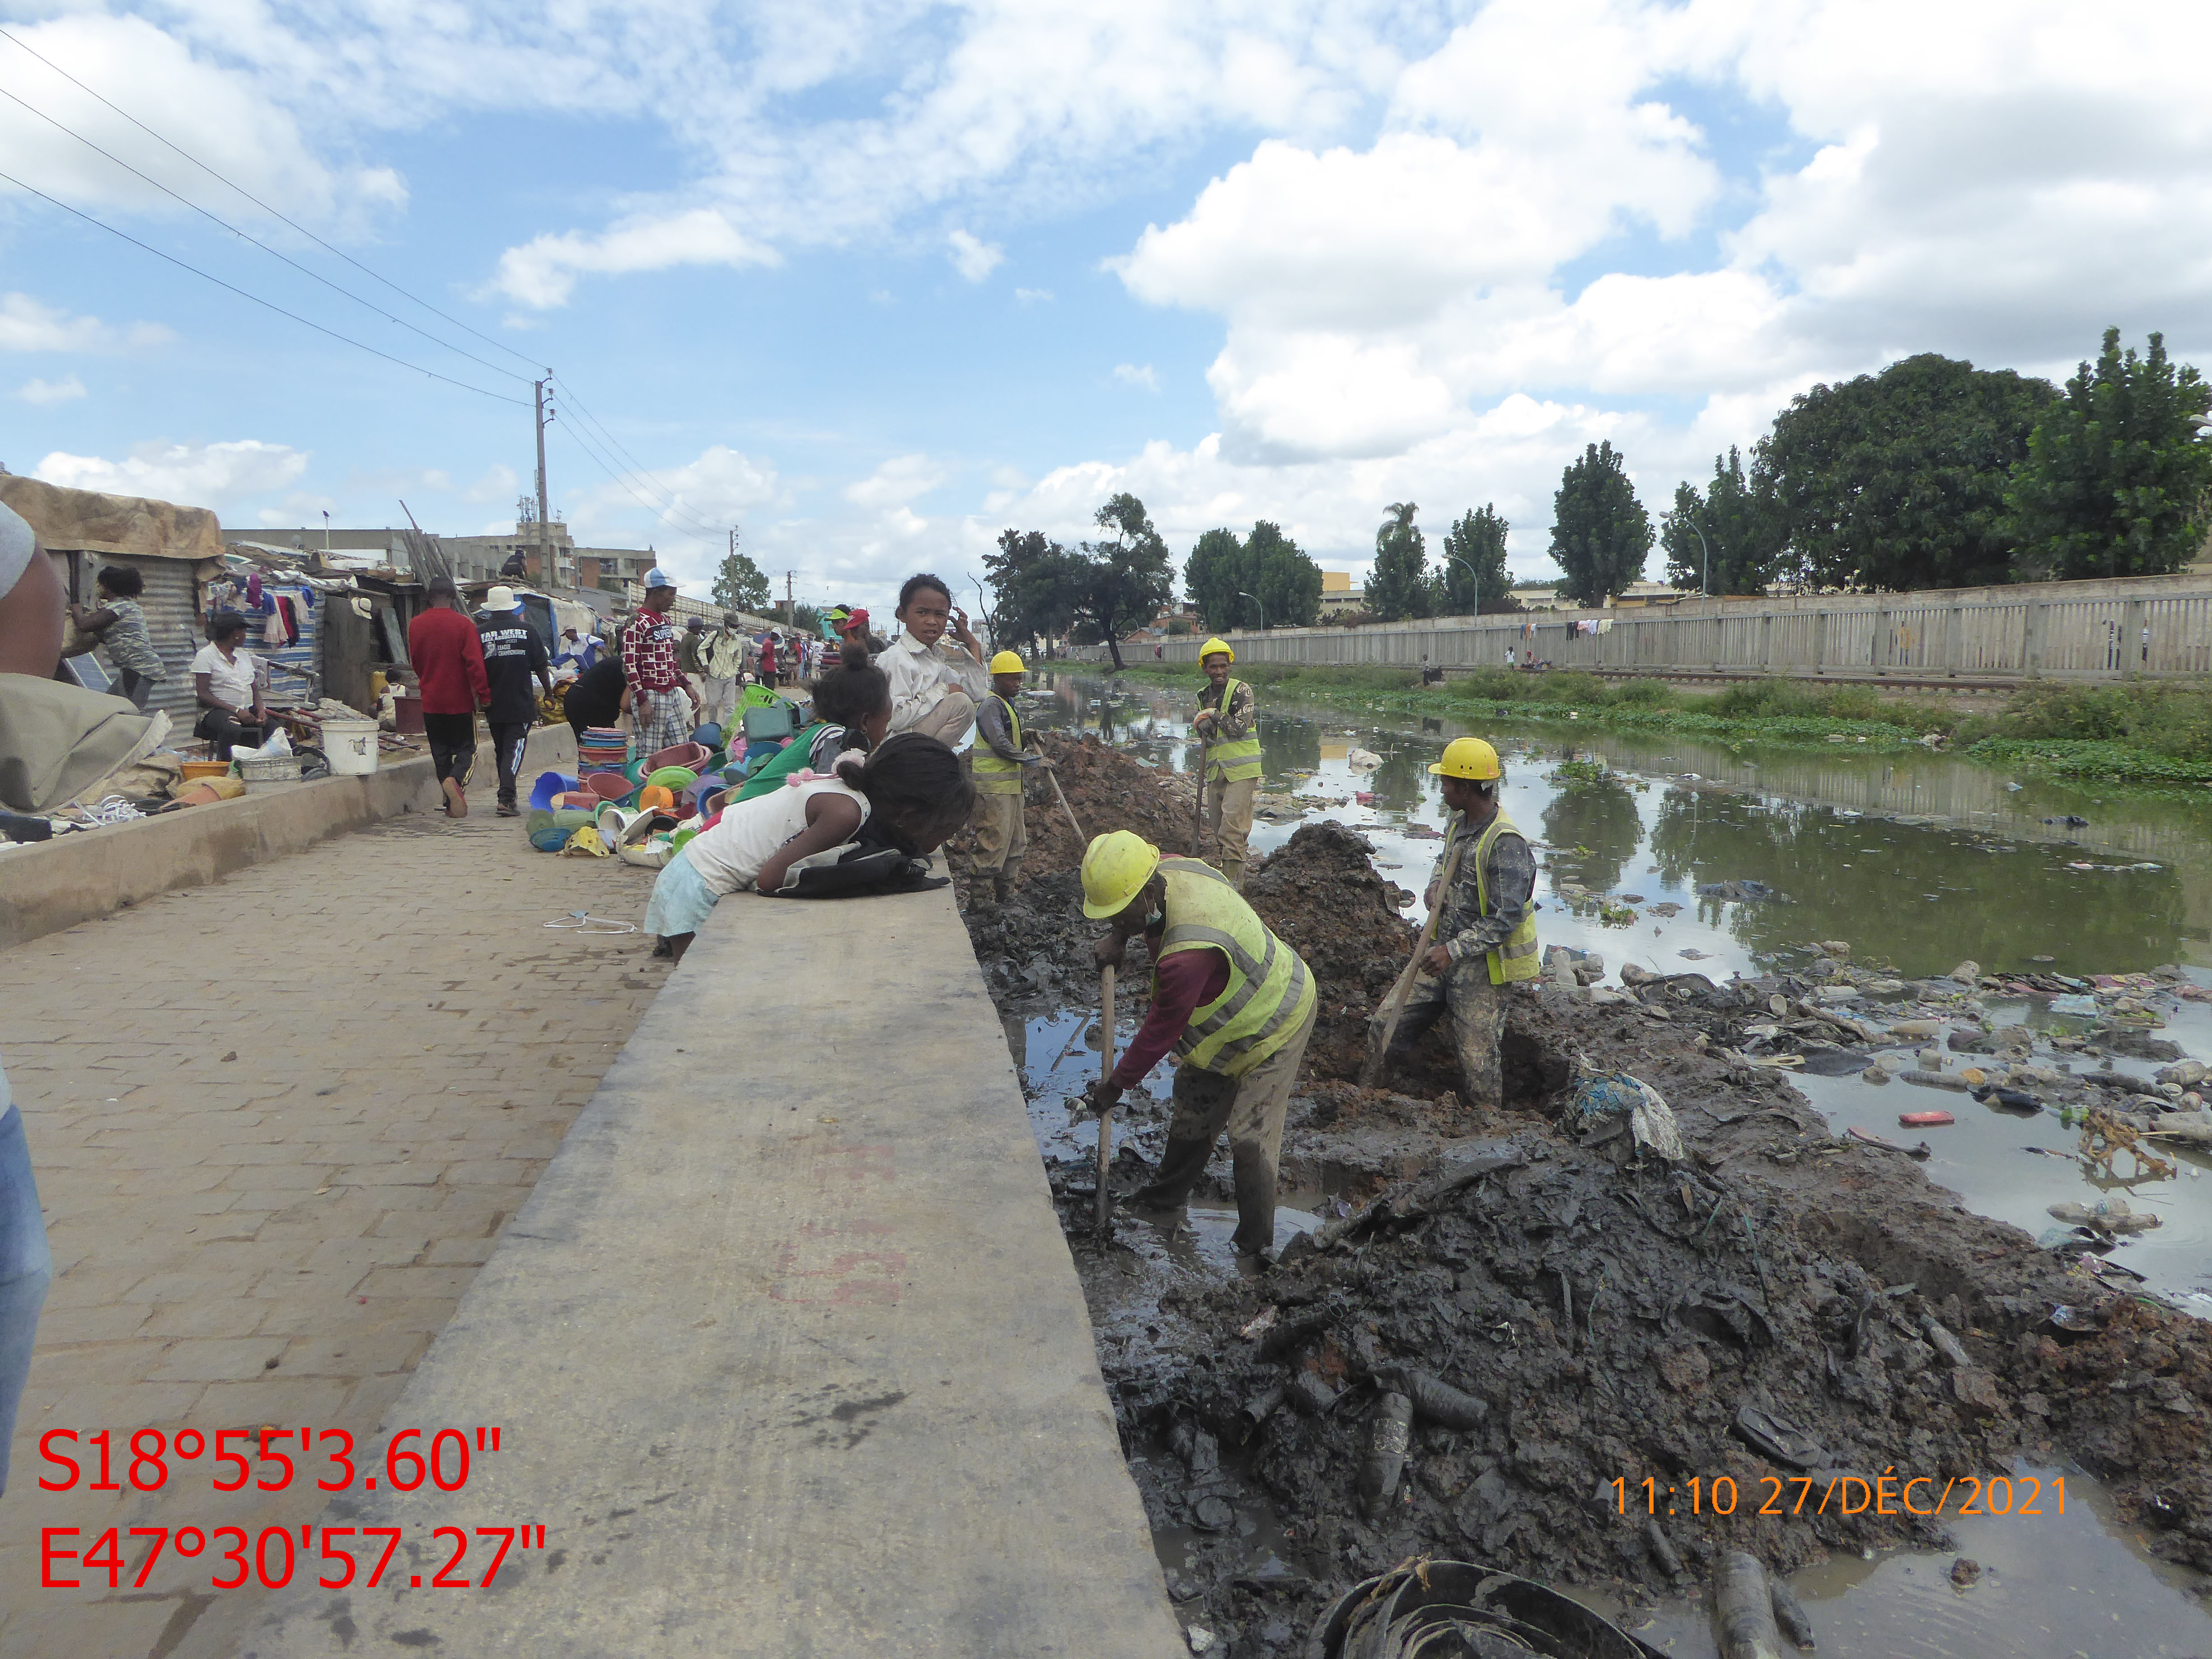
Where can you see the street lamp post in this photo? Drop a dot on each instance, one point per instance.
(1473, 572)
(1255, 597)
(1705, 582)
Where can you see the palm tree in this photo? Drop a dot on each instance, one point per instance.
(1399, 523)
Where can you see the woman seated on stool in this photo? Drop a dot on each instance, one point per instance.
(233, 710)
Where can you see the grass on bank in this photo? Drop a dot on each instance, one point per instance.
(2143, 732)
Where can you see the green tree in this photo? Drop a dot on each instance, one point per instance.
(1397, 587)
(2115, 477)
(1213, 574)
(1898, 480)
(1741, 550)
(1473, 578)
(1121, 579)
(1601, 534)
(1027, 577)
(740, 585)
(1284, 576)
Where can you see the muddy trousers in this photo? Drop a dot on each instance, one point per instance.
(1251, 1108)
(1229, 816)
(1477, 1011)
(1001, 841)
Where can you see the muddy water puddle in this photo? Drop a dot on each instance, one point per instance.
(1918, 861)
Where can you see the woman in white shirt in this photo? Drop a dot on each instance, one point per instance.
(227, 678)
(914, 786)
(934, 687)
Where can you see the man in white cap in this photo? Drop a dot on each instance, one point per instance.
(513, 655)
(663, 708)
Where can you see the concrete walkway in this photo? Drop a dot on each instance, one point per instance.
(278, 1120)
(786, 1350)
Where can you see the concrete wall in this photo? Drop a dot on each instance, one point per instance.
(2067, 630)
(78, 876)
(786, 1349)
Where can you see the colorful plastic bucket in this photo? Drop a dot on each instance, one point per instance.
(549, 784)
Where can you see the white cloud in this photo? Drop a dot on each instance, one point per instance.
(972, 259)
(1130, 375)
(897, 481)
(1033, 296)
(28, 325)
(498, 483)
(544, 272)
(50, 391)
(689, 507)
(219, 474)
(234, 117)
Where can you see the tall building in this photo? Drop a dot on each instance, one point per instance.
(1338, 595)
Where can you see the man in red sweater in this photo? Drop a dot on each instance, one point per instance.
(448, 656)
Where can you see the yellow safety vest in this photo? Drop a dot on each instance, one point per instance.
(1270, 991)
(1239, 759)
(993, 775)
(1517, 958)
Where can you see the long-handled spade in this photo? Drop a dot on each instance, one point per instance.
(1106, 1113)
(1370, 1070)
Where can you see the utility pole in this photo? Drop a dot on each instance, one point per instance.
(544, 557)
(790, 609)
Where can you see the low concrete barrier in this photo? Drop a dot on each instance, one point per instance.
(786, 1350)
(76, 877)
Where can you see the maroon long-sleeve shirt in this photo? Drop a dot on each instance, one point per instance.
(1184, 983)
(448, 656)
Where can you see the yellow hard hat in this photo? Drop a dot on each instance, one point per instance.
(1469, 757)
(1216, 643)
(1007, 663)
(1115, 868)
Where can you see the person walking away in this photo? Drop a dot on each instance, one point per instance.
(998, 763)
(663, 708)
(448, 656)
(935, 687)
(1485, 926)
(912, 786)
(513, 659)
(1228, 722)
(1232, 1000)
(853, 703)
(227, 680)
(118, 625)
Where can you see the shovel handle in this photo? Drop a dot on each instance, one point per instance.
(1371, 1074)
(1105, 1073)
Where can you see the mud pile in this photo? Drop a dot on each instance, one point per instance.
(1321, 894)
(1109, 790)
(1784, 1307)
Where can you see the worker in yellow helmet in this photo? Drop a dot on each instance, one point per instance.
(1234, 1003)
(1483, 892)
(1228, 724)
(1000, 762)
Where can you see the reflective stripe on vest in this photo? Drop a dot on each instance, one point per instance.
(994, 776)
(1270, 993)
(1239, 759)
(1515, 959)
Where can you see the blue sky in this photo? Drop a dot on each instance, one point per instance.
(876, 280)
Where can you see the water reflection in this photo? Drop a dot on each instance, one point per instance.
(1594, 830)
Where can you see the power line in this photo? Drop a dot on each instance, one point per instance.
(488, 339)
(269, 305)
(247, 236)
(576, 435)
(665, 502)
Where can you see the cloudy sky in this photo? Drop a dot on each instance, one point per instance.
(877, 279)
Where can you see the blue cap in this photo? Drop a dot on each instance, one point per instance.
(657, 577)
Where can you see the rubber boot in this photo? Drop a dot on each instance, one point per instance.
(1256, 1201)
(1233, 869)
(1002, 883)
(983, 889)
(1182, 1161)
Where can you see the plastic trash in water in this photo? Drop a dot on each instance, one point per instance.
(2080, 1006)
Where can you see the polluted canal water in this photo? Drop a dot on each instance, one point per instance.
(1856, 884)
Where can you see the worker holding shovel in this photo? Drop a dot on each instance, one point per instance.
(1480, 936)
(1227, 724)
(1234, 1002)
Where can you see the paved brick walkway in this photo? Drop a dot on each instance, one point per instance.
(277, 1124)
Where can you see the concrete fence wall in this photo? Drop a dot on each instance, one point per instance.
(2158, 625)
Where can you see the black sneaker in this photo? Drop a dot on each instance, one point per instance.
(507, 809)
